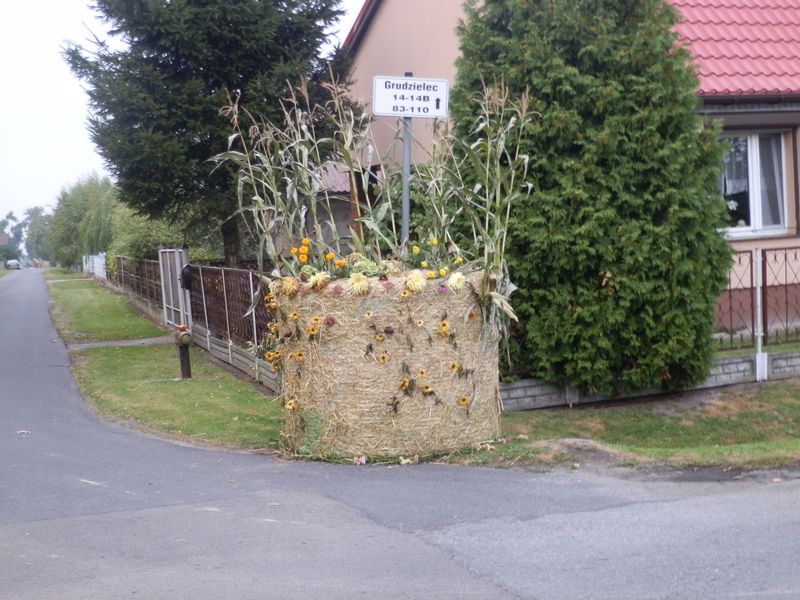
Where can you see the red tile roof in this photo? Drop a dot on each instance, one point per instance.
(743, 47)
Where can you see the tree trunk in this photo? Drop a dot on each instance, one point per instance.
(231, 242)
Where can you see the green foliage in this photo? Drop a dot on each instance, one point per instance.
(617, 252)
(70, 230)
(140, 237)
(10, 225)
(155, 96)
(37, 224)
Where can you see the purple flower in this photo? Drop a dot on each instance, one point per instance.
(388, 330)
(288, 334)
(442, 289)
(329, 321)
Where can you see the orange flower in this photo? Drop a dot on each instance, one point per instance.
(330, 256)
(305, 241)
(339, 264)
(303, 250)
(293, 251)
(303, 258)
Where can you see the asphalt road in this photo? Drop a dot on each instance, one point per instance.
(92, 510)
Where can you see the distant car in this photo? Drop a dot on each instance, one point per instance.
(12, 264)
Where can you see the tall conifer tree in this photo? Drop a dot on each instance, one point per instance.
(156, 90)
(618, 252)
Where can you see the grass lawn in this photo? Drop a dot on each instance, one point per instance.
(56, 274)
(142, 386)
(84, 311)
(744, 427)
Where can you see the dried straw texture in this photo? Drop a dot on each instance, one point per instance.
(388, 373)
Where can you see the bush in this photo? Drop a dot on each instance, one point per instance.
(617, 252)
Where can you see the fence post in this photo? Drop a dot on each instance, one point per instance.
(164, 283)
(760, 323)
(227, 318)
(255, 332)
(205, 309)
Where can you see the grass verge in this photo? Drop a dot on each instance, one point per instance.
(746, 427)
(83, 311)
(57, 274)
(142, 386)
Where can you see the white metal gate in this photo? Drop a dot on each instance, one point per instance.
(177, 305)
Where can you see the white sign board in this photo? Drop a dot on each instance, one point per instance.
(409, 97)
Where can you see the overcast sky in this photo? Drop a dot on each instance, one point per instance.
(44, 145)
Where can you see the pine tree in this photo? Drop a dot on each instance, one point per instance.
(618, 252)
(155, 93)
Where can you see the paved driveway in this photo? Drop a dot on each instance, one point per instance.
(93, 510)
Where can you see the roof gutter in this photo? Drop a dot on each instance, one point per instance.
(360, 26)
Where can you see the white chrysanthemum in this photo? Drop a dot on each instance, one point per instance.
(456, 281)
(359, 284)
(319, 280)
(415, 281)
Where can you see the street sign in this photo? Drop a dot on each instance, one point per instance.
(409, 97)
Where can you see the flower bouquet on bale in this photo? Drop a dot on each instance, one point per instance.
(386, 347)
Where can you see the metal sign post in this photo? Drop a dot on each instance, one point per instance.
(405, 208)
(408, 97)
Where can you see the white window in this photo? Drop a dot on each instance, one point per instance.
(752, 184)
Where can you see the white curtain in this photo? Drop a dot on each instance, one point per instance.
(771, 159)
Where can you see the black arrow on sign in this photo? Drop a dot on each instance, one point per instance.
(437, 103)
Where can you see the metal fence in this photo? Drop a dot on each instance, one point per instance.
(735, 310)
(141, 277)
(780, 284)
(220, 300)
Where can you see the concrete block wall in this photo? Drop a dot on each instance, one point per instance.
(784, 365)
(529, 394)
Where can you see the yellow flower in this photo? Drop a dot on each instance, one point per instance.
(434, 242)
(443, 271)
(293, 251)
(404, 295)
(463, 401)
(273, 327)
(427, 390)
(298, 356)
(458, 260)
(422, 374)
(312, 330)
(424, 264)
(383, 358)
(339, 264)
(316, 320)
(420, 323)
(303, 258)
(415, 281)
(289, 286)
(291, 404)
(431, 274)
(404, 384)
(379, 337)
(415, 250)
(444, 328)
(272, 306)
(359, 284)
(456, 281)
(294, 316)
(303, 250)
(455, 367)
(330, 256)
(305, 242)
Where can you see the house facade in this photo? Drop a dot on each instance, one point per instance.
(747, 55)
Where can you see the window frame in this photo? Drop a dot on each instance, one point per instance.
(757, 229)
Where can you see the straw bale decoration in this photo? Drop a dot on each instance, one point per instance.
(386, 347)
